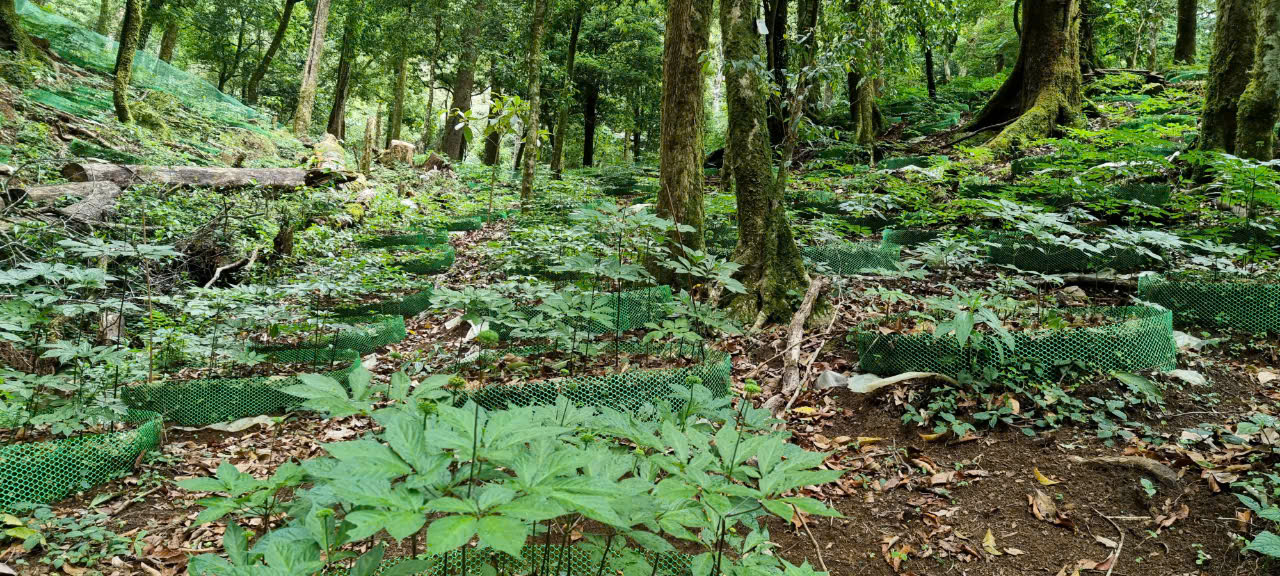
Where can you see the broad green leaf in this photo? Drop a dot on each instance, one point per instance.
(1265, 543)
(449, 533)
(503, 533)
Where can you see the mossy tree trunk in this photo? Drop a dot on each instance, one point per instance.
(396, 117)
(169, 41)
(865, 118)
(1088, 44)
(337, 124)
(777, 18)
(124, 58)
(590, 102)
(562, 111)
(535, 88)
(1044, 89)
(1184, 46)
(12, 37)
(429, 119)
(772, 267)
(151, 15)
(103, 25)
(1234, 46)
(680, 153)
(463, 82)
(251, 88)
(311, 70)
(1256, 119)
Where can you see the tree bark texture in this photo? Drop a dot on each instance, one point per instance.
(1256, 118)
(396, 116)
(562, 113)
(771, 263)
(1184, 46)
(169, 41)
(255, 79)
(1088, 44)
(590, 110)
(535, 87)
(429, 120)
(680, 154)
(124, 59)
(103, 26)
(929, 81)
(125, 176)
(12, 37)
(311, 70)
(776, 19)
(865, 121)
(1044, 88)
(463, 83)
(150, 17)
(1234, 44)
(337, 124)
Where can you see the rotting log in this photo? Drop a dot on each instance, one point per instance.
(124, 176)
(96, 198)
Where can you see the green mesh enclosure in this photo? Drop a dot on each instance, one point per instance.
(46, 472)
(406, 306)
(562, 560)
(96, 52)
(1036, 256)
(75, 102)
(207, 401)
(1140, 339)
(425, 238)
(1251, 306)
(1153, 194)
(433, 260)
(366, 335)
(626, 391)
(891, 237)
(632, 309)
(850, 258)
(904, 161)
(465, 223)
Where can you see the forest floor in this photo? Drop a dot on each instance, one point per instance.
(995, 502)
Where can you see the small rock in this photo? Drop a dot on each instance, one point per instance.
(1190, 377)
(831, 379)
(1186, 341)
(7, 170)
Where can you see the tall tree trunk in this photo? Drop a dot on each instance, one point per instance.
(429, 122)
(12, 37)
(776, 19)
(464, 81)
(535, 87)
(1234, 46)
(1256, 135)
(124, 58)
(251, 89)
(519, 157)
(680, 154)
(1184, 47)
(635, 134)
(929, 79)
(169, 41)
(311, 71)
(1043, 90)
(771, 266)
(590, 107)
(492, 140)
(1153, 41)
(103, 25)
(397, 103)
(337, 124)
(1088, 45)
(562, 113)
(150, 17)
(864, 114)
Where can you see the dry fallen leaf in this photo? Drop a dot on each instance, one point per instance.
(1109, 543)
(989, 544)
(1044, 480)
(1265, 376)
(932, 437)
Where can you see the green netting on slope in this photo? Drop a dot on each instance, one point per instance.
(904, 161)
(46, 472)
(465, 223)
(1140, 339)
(424, 238)
(92, 50)
(907, 237)
(433, 260)
(626, 391)
(563, 560)
(1037, 256)
(76, 102)
(207, 401)
(631, 310)
(407, 306)
(365, 335)
(850, 258)
(1251, 306)
(1153, 194)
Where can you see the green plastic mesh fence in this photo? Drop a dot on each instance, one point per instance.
(626, 391)
(854, 258)
(892, 237)
(1153, 194)
(465, 223)
(46, 472)
(424, 238)
(364, 334)
(96, 52)
(566, 560)
(206, 401)
(1141, 338)
(406, 306)
(429, 260)
(1037, 256)
(1237, 303)
(631, 309)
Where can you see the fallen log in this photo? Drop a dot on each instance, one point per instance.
(124, 176)
(96, 198)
